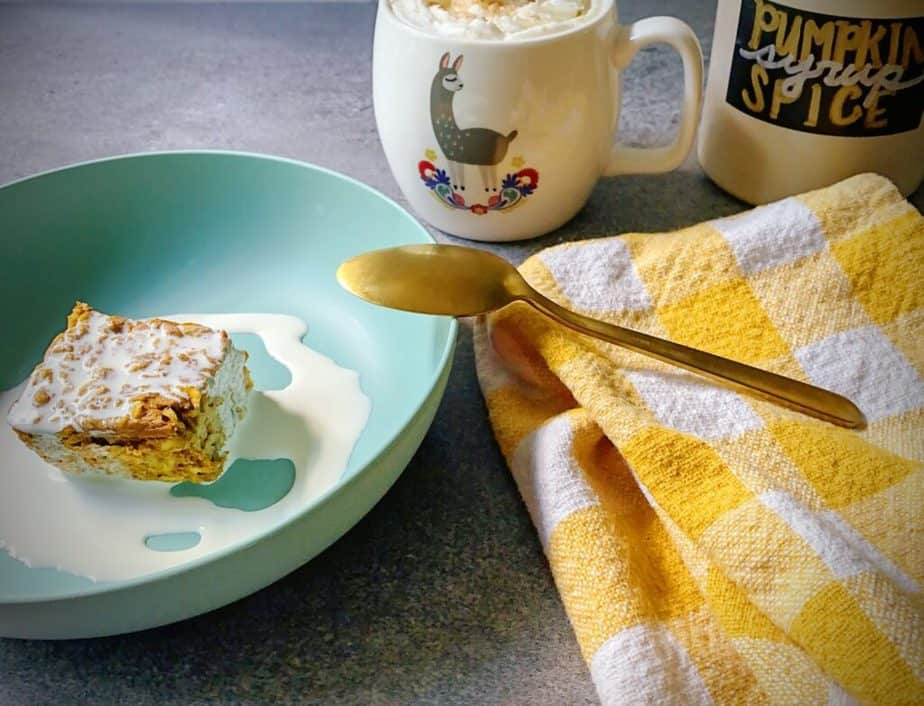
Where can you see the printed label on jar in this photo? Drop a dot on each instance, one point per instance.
(826, 74)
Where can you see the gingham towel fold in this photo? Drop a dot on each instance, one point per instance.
(709, 547)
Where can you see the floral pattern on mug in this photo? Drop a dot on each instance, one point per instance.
(514, 189)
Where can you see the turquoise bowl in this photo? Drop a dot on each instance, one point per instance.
(213, 232)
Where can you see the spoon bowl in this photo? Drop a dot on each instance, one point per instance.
(444, 280)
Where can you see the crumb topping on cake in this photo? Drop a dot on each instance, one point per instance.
(107, 374)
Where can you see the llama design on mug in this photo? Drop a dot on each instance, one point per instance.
(474, 146)
(479, 146)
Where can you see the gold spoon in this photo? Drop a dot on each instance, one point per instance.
(458, 281)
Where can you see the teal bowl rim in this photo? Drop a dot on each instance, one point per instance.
(445, 360)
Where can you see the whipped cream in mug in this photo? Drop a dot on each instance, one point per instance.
(490, 19)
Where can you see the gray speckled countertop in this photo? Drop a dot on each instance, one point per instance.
(448, 601)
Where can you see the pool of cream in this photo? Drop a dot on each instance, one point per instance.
(97, 528)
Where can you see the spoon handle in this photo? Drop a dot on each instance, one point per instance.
(805, 398)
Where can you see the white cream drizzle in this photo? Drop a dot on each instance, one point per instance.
(93, 372)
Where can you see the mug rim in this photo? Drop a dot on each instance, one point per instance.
(603, 9)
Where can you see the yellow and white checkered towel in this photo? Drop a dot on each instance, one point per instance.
(710, 547)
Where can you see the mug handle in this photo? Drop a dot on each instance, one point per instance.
(629, 40)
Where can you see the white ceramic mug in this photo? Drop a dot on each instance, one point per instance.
(504, 139)
(804, 93)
